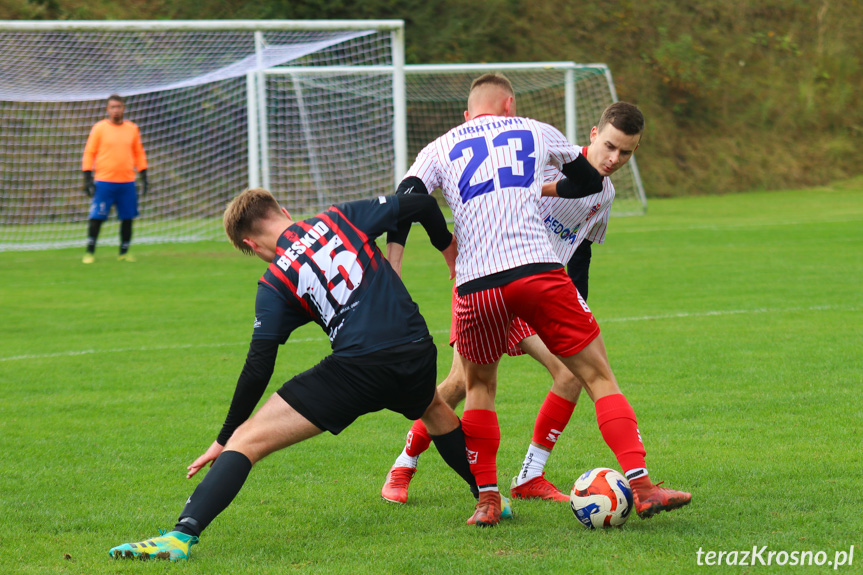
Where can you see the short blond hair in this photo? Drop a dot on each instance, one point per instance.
(245, 212)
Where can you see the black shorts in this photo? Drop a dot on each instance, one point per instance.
(340, 389)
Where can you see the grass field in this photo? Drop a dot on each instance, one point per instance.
(733, 324)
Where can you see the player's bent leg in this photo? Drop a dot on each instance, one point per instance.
(564, 383)
(554, 414)
(418, 439)
(453, 388)
(619, 428)
(275, 426)
(591, 368)
(450, 441)
(482, 439)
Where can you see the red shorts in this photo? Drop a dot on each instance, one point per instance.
(518, 330)
(546, 301)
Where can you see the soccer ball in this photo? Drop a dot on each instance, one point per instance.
(601, 497)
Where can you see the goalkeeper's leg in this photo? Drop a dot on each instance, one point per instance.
(93, 228)
(125, 239)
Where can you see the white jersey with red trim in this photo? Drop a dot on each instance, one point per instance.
(491, 172)
(569, 222)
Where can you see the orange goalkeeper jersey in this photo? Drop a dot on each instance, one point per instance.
(115, 151)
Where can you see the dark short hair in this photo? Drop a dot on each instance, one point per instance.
(493, 79)
(624, 116)
(116, 98)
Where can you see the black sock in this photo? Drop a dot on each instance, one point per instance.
(215, 492)
(93, 235)
(125, 235)
(452, 449)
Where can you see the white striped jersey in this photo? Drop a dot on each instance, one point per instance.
(569, 222)
(490, 170)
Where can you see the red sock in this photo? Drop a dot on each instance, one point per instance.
(552, 419)
(418, 439)
(482, 439)
(619, 429)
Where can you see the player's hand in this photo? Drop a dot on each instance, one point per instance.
(208, 457)
(449, 255)
(89, 184)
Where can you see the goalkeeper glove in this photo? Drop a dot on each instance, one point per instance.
(144, 185)
(89, 184)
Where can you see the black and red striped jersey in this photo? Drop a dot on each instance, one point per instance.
(329, 270)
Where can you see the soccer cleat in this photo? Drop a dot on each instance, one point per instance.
(506, 511)
(89, 258)
(126, 258)
(537, 488)
(488, 510)
(395, 487)
(651, 499)
(173, 545)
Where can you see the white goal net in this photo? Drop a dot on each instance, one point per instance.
(316, 111)
(215, 113)
(569, 96)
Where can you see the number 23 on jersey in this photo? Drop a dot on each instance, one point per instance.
(518, 173)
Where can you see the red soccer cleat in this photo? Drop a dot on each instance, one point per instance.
(395, 487)
(487, 512)
(537, 488)
(650, 499)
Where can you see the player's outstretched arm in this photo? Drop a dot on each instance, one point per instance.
(253, 381)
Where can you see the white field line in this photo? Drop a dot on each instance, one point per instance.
(438, 332)
(728, 312)
(739, 225)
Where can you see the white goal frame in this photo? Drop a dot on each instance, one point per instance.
(256, 97)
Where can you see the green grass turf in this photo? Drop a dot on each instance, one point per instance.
(732, 324)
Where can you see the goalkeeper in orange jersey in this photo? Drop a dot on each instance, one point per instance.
(114, 151)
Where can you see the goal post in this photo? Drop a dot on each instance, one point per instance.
(567, 95)
(216, 115)
(316, 111)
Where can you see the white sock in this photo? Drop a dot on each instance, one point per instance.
(534, 464)
(636, 473)
(405, 460)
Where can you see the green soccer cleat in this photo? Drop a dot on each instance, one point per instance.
(506, 508)
(89, 258)
(126, 258)
(173, 545)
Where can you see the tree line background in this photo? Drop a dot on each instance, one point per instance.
(737, 94)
